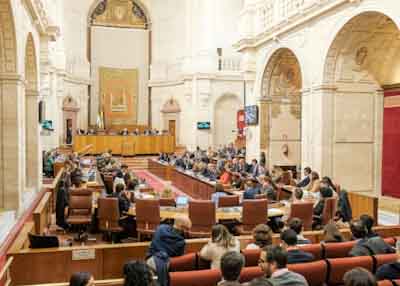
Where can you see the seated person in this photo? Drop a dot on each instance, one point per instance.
(326, 182)
(314, 185)
(297, 196)
(262, 235)
(236, 182)
(124, 201)
(219, 192)
(367, 246)
(294, 254)
(306, 180)
(124, 132)
(119, 179)
(296, 224)
(359, 277)
(81, 279)
(225, 178)
(390, 271)
(368, 222)
(137, 273)
(76, 175)
(221, 242)
(324, 194)
(268, 187)
(210, 172)
(251, 189)
(273, 261)
(332, 234)
(232, 263)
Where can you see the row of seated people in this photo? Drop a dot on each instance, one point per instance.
(123, 132)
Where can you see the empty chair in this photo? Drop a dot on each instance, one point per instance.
(228, 201)
(209, 277)
(108, 215)
(338, 249)
(167, 202)
(339, 266)
(303, 211)
(329, 211)
(314, 272)
(80, 207)
(187, 262)
(147, 216)
(251, 256)
(254, 212)
(202, 215)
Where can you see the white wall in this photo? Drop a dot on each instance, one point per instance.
(123, 49)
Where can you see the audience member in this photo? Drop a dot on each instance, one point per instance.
(326, 182)
(368, 222)
(268, 187)
(123, 197)
(232, 263)
(298, 195)
(262, 235)
(236, 182)
(221, 242)
(119, 179)
(261, 281)
(219, 192)
(367, 246)
(390, 271)
(314, 185)
(81, 279)
(296, 224)
(137, 273)
(251, 189)
(294, 254)
(306, 180)
(324, 194)
(359, 277)
(332, 233)
(273, 261)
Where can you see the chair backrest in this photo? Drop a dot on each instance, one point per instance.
(228, 201)
(260, 196)
(381, 259)
(314, 272)
(167, 202)
(251, 256)
(80, 202)
(109, 183)
(303, 211)
(187, 262)
(202, 215)
(147, 214)
(209, 277)
(255, 212)
(387, 283)
(339, 266)
(108, 213)
(315, 249)
(250, 273)
(338, 249)
(329, 210)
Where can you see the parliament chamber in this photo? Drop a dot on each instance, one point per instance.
(200, 142)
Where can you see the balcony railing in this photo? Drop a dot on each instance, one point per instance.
(229, 64)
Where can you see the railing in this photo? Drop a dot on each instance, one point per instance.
(110, 282)
(229, 63)
(5, 272)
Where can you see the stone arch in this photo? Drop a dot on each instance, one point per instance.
(32, 128)
(280, 109)
(362, 60)
(170, 112)
(8, 44)
(225, 119)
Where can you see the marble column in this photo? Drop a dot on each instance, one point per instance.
(12, 179)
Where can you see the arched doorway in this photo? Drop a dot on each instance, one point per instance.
(70, 118)
(362, 61)
(280, 110)
(171, 118)
(225, 119)
(32, 146)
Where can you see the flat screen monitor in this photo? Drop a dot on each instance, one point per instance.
(182, 201)
(47, 124)
(203, 125)
(251, 114)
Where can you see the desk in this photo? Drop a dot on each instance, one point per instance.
(172, 213)
(126, 145)
(164, 171)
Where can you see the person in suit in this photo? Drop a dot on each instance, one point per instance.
(273, 261)
(295, 255)
(232, 263)
(306, 180)
(255, 168)
(125, 132)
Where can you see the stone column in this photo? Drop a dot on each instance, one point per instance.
(379, 111)
(32, 141)
(265, 125)
(12, 179)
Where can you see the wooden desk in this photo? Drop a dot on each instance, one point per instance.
(163, 171)
(220, 214)
(126, 145)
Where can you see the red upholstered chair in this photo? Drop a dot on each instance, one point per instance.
(338, 249)
(329, 212)
(167, 202)
(339, 266)
(254, 212)
(202, 215)
(228, 201)
(314, 272)
(315, 249)
(187, 262)
(202, 264)
(209, 277)
(387, 283)
(303, 211)
(396, 282)
(381, 259)
(250, 273)
(147, 216)
(251, 256)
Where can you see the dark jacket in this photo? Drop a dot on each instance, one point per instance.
(250, 194)
(344, 206)
(390, 271)
(319, 208)
(168, 240)
(304, 183)
(370, 246)
(299, 256)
